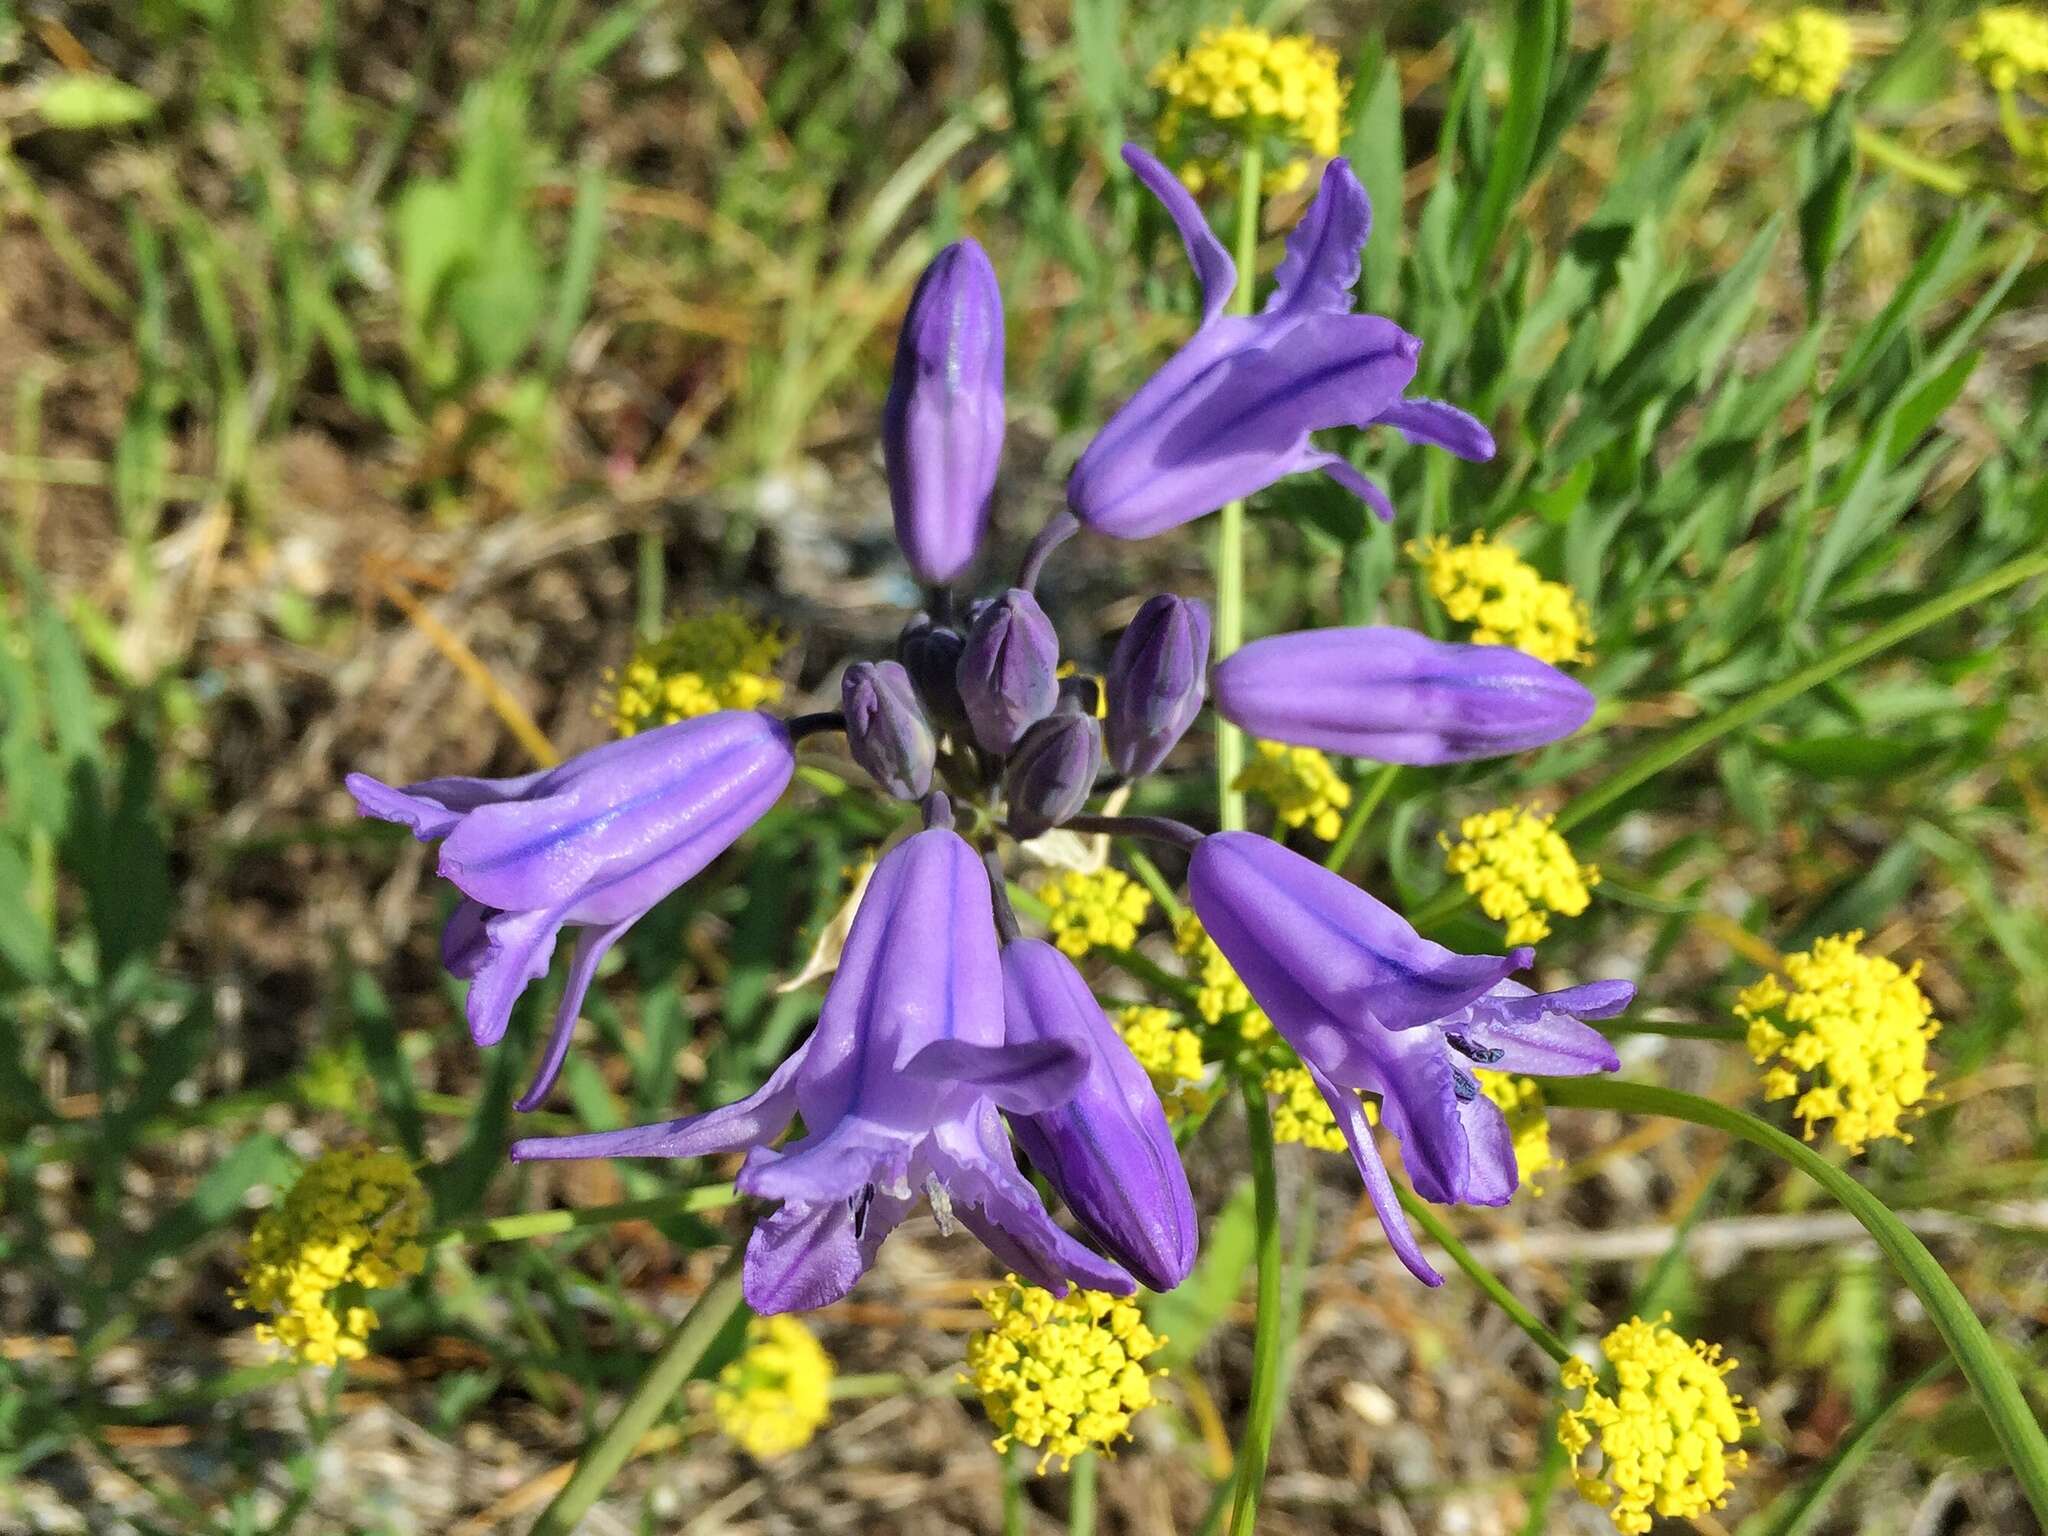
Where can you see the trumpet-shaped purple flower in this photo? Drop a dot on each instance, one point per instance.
(1397, 696)
(1157, 678)
(899, 1087)
(1373, 1007)
(1108, 1150)
(942, 426)
(591, 844)
(1232, 411)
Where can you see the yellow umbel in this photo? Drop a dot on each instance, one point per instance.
(1241, 84)
(1521, 869)
(1665, 1431)
(1301, 785)
(1219, 993)
(1856, 1026)
(1171, 1055)
(1061, 1375)
(1803, 55)
(1521, 1101)
(2008, 44)
(777, 1393)
(1504, 598)
(350, 1224)
(1093, 911)
(1300, 1113)
(707, 662)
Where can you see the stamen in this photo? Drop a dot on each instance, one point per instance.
(942, 1205)
(862, 1204)
(1464, 1085)
(1485, 1055)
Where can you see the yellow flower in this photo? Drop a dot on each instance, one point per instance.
(1241, 84)
(1521, 869)
(777, 1393)
(710, 661)
(1219, 994)
(1521, 1100)
(1105, 909)
(1301, 1113)
(1857, 1026)
(1803, 55)
(1664, 1433)
(1301, 786)
(2008, 43)
(1171, 1055)
(350, 1223)
(1494, 589)
(1060, 1375)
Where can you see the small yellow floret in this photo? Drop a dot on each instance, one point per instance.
(1241, 84)
(1171, 1055)
(1093, 911)
(1061, 1375)
(1521, 1100)
(350, 1224)
(777, 1393)
(1300, 1113)
(1219, 993)
(1663, 1434)
(1857, 1027)
(1521, 869)
(2008, 44)
(1804, 55)
(707, 662)
(1301, 785)
(1502, 596)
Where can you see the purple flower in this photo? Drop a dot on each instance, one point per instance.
(1373, 1007)
(942, 426)
(1108, 1150)
(886, 729)
(899, 1087)
(1231, 412)
(591, 844)
(1397, 696)
(1009, 668)
(1156, 681)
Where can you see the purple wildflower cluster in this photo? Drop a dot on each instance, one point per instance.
(945, 1034)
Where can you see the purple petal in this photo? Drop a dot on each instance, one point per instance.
(801, 1258)
(1213, 266)
(1541, 1032)
(750, 1122)
(1372, 1172)
(1397, 696)
(1438, 425)
(1024, 1078)
(518, 946)
(1345, 474)
(972, 1158)
(835, 1163)
(592, 944)
(1320, 269)
(465, 945)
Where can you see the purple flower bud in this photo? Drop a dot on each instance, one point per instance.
(1157, 678)
(931, 655)
(942, 427)
(1108, 1150)
(1052, 772)
(1007, 670)
(1396, 696)
(886, 729)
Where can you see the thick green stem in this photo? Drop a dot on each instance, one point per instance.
(600, 1463)
(1081, 1496)
(1270, 1343)
(1015, 1522)
(1230, 521)
(1998, 1392)
(1361, 813)
(1440, 1234)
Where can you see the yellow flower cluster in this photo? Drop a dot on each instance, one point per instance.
(1060, 1375)
(1664, 1433)
(1300, 784)
(1171, 1055)
(1521, 1100)
(708, 662)
(2008, 43)
(1494, 589)
(777, 1392)
(1857, 1025)
(350, 1223)
(1219, 993)
(1093, 911)
(1300, 1113)
(1242, 84)
(1521, 869)
(1803, 55)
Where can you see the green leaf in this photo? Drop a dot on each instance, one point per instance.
(1828, 181)
(579, 267)
(1928, 280)
(82, 101)
(262, 1159)
(1375, 149)
(1853, 757)
(1538, 25)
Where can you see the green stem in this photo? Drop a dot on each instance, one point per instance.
(1267, 1346)
(504, 1229)
(1230, 521)
(665, 1377)
(1361, 813)
(1894, 156)
(2012, 1420)
(1014, 1521)
(1081, 1496)
(1440, 1234)
(1679, 745)
(1811, 1501)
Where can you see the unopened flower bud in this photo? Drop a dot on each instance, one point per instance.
(1007, 670)
(1052, 772)
(1157, 680)
(930, 653)
(886, 729)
